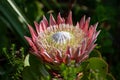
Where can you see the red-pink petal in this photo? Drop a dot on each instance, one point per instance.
(97, 33)
(45, 55)
(77, 25)
(52, 20)
(66, 59)
(45, 21)
(58, 56)
(85, 57)
(83, 47)
(43, 25)
(90, 32)
(91, 40)
(82, 22)
(95, 25)
(59, 19)
(29, 40)
(77, 53)
(69, 19)
(68, 51)
(33, 33)
(80, 58)
(86, 25)
(40, 28)
(92, 47)
(36, 26)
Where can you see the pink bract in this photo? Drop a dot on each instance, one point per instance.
(59, 41)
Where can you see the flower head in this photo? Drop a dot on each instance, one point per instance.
(59, 41)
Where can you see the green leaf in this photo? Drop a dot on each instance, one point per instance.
(26, 61)
(98, 68)
(15, 17)
(29, 74)
(83, 66)
(110, 77)
(36, 70)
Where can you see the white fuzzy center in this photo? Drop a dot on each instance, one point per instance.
(61, 37)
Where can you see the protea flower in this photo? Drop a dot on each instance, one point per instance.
(59, 41)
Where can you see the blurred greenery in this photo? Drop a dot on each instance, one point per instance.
(13, 64)
(16, 14)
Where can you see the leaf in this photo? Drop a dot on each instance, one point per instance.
(26, 61)
(83, 66)
(15, 18)
(98, 68)
(29, 74)
(110, 77)
(35, 71)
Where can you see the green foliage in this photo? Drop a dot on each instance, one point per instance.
(97, 68)
(14, 60)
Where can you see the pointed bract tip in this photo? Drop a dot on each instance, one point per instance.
(82, 21)
(69, 19)
(88, 18)
(60, 20)
(84, 16)
(44, 17)
(52, 20)
(27, 38)
(95, 25)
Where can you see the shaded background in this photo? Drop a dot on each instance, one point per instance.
(16, 14)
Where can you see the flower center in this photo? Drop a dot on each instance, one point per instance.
(61, 37)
